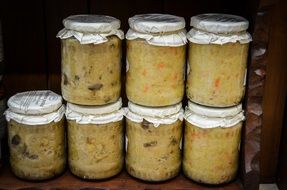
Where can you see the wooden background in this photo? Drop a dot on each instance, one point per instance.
(32, 51)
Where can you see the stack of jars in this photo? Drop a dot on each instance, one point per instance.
(217, 57)
(91, 69)
(155, 67)
(91, 85)
(155, 75)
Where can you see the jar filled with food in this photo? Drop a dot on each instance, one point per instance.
(212, 143)
(95, 140)
(155, 62)
(153, 140)
(218, 51)
(36, 135)
(91, 59)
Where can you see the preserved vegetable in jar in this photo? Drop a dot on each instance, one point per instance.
(91, 59)
(153, 140)
(218, 51)
(212, 143)
(95, 140)
(155, 59)
(36, 135)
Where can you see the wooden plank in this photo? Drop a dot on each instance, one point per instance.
(254, 102)
(121, 182)
(274, 93)
(24, 47)
(282, 174)
(55, 12)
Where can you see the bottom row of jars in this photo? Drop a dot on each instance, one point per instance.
(153, 142)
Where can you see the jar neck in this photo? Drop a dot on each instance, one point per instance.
(161, 33)
(221, 33)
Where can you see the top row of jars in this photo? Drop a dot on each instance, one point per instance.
(155, 60)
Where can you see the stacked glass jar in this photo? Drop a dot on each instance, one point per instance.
(91, 84)
(36, 135)
(155, 67)
(217, 62)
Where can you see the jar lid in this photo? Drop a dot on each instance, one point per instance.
(92, 23)
(155, 115)
(156, 23)
(35, 102)
(42, 119)
(91, 29)
(219, 23)
(155, 111)
(95, 114)
(210, 117)
(214, 111)
(95, 110)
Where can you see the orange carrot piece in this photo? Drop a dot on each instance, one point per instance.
(146, 87)
(160, 66)
(217, 82)
(175, 76)
(144, 72)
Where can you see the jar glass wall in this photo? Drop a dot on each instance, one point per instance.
(37, 152)
(91, 72)
(155, 74)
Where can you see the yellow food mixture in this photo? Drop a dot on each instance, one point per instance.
(91, 73)
(217, 73)
(211, 156)
(37, 152)
(155, 74)
(95, 150)
(153, 153)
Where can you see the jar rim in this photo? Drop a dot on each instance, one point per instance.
(159, 112)
(156, 23)
(210, 117)
(36, 102)
(219, 23)
(95, 110)
(92, 23)
(214, 111)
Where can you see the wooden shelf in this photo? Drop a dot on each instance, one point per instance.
(121, 182)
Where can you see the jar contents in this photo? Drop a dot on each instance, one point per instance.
(212, 143)
(95, 151)
(155, 59)
(218, 51)
(37, 152)
(156, 73)
(95, 140)
(216, 70)
(153, 148)
(36, 135)
(91, 64)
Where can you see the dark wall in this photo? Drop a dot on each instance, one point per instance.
(32, 52)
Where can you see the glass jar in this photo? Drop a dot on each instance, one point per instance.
(95, 140)
(36, 135)
(155, 59)
(91, 59)
(212, 143)
(153, 140)
(218, 51)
